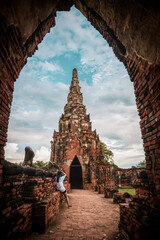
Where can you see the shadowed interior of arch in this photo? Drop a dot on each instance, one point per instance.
(76, 174)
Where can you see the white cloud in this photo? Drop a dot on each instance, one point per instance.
(36, 110)
(48, 66)
(71, 34)
(42, 154)
(114, 116)
(11, 153)
(124, 155)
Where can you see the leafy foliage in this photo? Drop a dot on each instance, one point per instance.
(108, 155)
(41, 164)
(141, 164)
(114, 165)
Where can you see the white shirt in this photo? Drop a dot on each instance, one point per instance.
(59, 185)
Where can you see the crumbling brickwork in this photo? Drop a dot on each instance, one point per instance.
(146, 81)
(126, 178)
(118, 198)
(109, 191)
(45, 212)
(108, 175)
(131, 29)
(27, 203)
(15, 213)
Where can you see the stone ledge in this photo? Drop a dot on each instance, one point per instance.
(11, 169)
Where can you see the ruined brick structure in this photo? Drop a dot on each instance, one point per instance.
(123, 177)
(76, 148)
(109, 177)
(132, 29)
(30, 200)
(127, 178)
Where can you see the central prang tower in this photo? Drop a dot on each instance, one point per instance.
(76, 148)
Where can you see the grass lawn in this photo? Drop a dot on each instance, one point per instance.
(131, 191)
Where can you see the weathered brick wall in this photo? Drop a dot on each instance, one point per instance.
(10, 68)
(88, 186)
(15, 214)
(45, 212)
(108, 175)
(126, 178)
(144, 208)
(118, 198)
(26, 203)
(146, 80)
(36, 188)
(109, 191)
(139, 219)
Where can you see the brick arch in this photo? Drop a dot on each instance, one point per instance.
(132, 32)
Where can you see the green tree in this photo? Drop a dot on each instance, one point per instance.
(108, 155)
(41, 164)
(141, 164)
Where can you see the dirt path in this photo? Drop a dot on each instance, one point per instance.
(91, 217)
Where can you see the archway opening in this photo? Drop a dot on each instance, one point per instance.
(146, 83)
(50, 72)
(76, 174)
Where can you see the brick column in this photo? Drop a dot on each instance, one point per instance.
(11, 63)
(146, 79)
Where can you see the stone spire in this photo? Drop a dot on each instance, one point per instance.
(75, 147)
(75, 97)
(74, 111)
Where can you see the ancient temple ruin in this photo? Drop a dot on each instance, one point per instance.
(132, 33)
(75, 147)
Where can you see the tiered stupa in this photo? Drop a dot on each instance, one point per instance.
(76, 148)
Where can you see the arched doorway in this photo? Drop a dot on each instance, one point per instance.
(76, 174)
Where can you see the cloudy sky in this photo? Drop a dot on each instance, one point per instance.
(43, 85)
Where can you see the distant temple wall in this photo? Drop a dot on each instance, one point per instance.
(122, 178)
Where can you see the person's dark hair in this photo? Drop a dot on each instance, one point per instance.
(59, 174)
